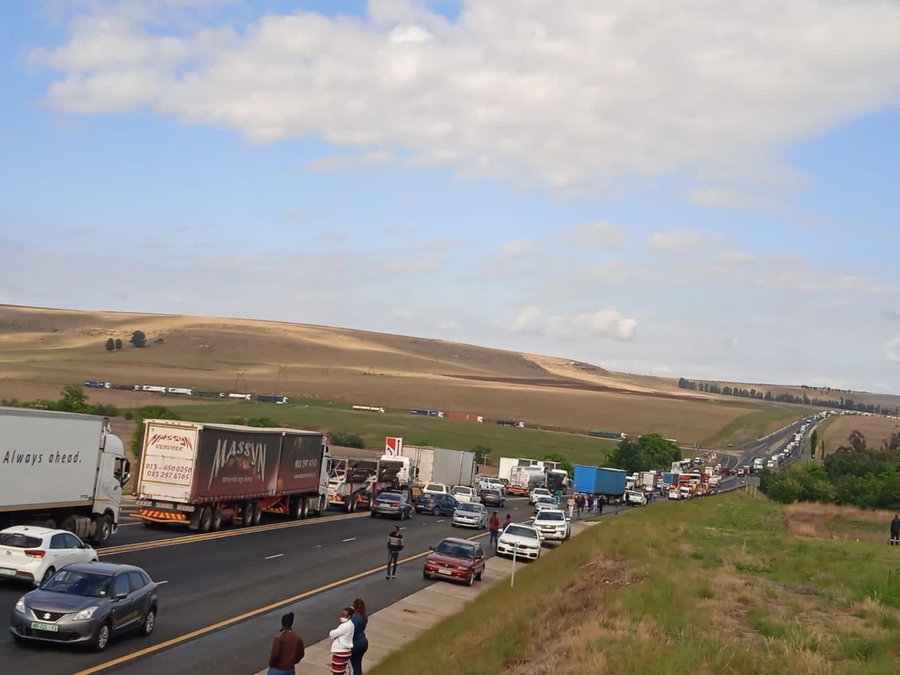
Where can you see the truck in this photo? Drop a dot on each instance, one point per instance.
(648, 480)
(615, 435)
(558, 479)
(523, 479)
(354, 483)
(272, 398)
(507, 464)
(426, 464)
(61, 470)
(595, 480)
(203, 475)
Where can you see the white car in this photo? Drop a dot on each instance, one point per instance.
(539, 492)
(470, 515)
(494, 484)
(552, 524)
(523, 540)
(674, 493)
(464, 494)
(435, 489)
(635, 498)
(545, 503)
(35, 553)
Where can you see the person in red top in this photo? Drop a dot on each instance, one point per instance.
(495, 529)
(287, 648)
(508, 522)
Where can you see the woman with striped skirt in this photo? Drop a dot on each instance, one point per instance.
(342, 643)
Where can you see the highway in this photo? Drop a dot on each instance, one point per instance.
(230, 588)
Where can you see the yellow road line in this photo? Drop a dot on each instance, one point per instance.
(200, 632)
(195, 538)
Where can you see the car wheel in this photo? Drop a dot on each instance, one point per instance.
(425, 575)
(149, 622)
(479, 576)
(49, 573)
(374, 515)
(101, 638)
(470, 580)
(436, 511)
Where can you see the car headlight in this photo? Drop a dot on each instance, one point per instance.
(85, 614)
(20, 605)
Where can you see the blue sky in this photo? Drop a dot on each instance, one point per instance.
(706, 194)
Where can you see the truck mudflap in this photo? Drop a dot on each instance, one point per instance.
(157, 516)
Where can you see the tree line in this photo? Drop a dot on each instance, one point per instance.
(840, 403)
(855, 474)
(650, 452)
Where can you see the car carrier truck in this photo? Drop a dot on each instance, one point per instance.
(202, 475)
(61, 470)
(354, 483)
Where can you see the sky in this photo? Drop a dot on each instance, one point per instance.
(708, 191)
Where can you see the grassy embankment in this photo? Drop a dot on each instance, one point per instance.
(374, 427)
(709, 587)
(756, 424)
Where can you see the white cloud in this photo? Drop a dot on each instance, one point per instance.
(402, 314)
(892, 349)
(736, 257)
(683, 240)
(517, 248)
(565, 94)
(605, 323)
(733, 199)
(598, 235)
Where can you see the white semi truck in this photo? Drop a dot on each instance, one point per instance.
(61, 470)
(425, 464)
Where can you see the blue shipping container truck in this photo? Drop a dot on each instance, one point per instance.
(670, 478)
(599, 481)
(418, 411)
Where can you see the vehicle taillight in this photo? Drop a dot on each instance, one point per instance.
(35, 553)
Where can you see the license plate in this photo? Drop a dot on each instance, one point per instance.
(447, 572)
(45, 626)
(164, 505)
(7, 573)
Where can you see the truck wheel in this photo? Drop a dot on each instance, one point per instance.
(257, 513)
(304, 508)
(246, 514)
(216, 523)
(69, 524)
(205, 520)
(297, 508)
(348, 505)
(103, 528)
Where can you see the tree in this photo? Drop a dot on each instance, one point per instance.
(813, 441)
(481, 453)
(118, 344)
(110, 345)
(72, 399)
(346, 440)
(138, 339)
(563, 461)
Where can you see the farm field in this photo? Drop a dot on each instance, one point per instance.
(718, 585)
(877, 430)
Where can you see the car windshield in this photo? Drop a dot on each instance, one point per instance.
(434, 488)
(469, 507)
(18, 540)
(461, 491)
(456, 550)
(388, 497)
(551, 515)
(87, 584)
(520, 531)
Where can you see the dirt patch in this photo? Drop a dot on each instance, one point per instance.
(830, 521)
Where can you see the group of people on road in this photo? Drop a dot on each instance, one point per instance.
(348, 647)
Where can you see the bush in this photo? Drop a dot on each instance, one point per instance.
(148, 412)
(346, 440)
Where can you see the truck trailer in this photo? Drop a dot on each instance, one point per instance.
(354, 483)
(201, 475)
(596, 480)
(61, 470)
(436, 465)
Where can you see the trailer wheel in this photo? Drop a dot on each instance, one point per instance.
(304, 508)
(297, 508)
(246, 514)
(103, 529)
(348, 504)
(216, 523)
(257, 513)
(205, 520)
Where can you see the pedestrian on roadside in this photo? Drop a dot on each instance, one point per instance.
(342, 643)
(360, 620)
(287, 648)
(559, 495)
(895, 530)
(590, 503)
(579, 504)
(394, 545)
(570, 502)
(494, 529)
(600, 506)
(508, 522)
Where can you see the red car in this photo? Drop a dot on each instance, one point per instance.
(455, 560)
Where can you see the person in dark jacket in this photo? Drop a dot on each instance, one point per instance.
(287, 649)
(895, 530)
(507, 522)
(360, 642)
(395, 545)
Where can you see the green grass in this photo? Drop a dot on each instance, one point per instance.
(710, 586)
(415, 430)
(755, 424)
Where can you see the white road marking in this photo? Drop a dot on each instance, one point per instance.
(272, 557)
(402, 528)
(439, 521)
(350, 539)
(160, 583)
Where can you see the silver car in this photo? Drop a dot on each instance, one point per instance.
(470, 515)
(87, 603)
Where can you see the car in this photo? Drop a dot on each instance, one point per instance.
(635, 498)
(545, 503)
(523, 541)
(538, 492)
(470, 515)
(436, 505)
(463, 493)
(87, 604)
(435, 489)
(393, 504)
(33, 554)
(492, 497)
(491, 483)
(456, 560)
(553, 525)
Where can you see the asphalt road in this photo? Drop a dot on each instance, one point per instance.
(322, 564)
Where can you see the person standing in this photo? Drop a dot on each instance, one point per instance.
(287, 649)
(360, 641)
(570, 503)
(599, 505)
(895, 530)
(342, 643)
(495, 529)
(394, 545)
(508, 522)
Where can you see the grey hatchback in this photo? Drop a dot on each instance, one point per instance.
(87, 603)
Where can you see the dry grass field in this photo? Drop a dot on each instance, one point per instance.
(42, 349)
(830, 521)
(877, 430)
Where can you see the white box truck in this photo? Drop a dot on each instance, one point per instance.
(432, 465)
(61, 470)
